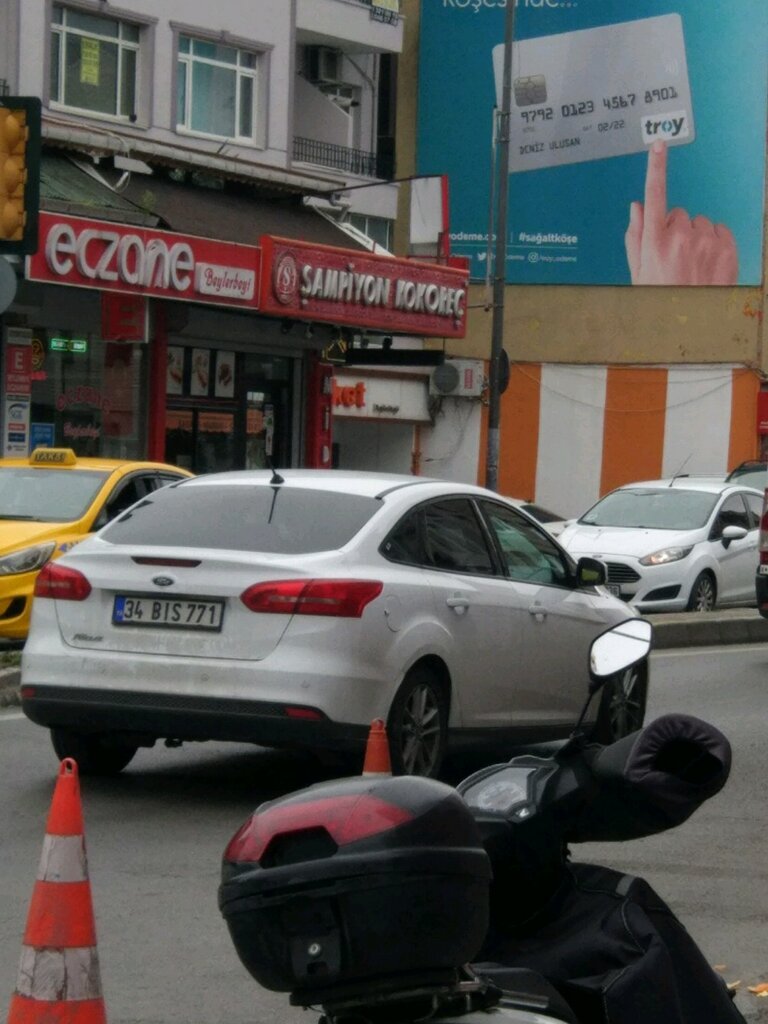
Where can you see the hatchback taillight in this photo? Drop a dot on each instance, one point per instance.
(344, 599)
(61, 583)
(763, 545)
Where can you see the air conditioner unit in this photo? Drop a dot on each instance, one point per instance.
(459, 378)
(324, 64)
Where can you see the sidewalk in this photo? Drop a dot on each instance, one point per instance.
(685, 629)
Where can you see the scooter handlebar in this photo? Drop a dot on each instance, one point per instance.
(652, 780)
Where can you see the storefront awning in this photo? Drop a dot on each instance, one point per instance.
(66, 188)
(232, 216)
(156, 201)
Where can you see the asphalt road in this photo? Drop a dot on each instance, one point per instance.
(155, 836)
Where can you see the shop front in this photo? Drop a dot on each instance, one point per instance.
(133, 341)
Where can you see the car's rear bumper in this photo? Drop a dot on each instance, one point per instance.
(145, 717)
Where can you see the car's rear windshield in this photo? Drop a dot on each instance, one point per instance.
(47, 495)
(275, 520)
(667, 508)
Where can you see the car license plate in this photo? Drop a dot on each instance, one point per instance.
(169, 612)
(613, 588)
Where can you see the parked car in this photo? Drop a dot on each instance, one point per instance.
(761, 580)
(752, 473)
(293, 609)
(48, 503)
(553, 522)
(676, 544)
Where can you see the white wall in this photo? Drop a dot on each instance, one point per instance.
(450, 447)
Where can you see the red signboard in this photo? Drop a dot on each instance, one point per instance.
(123, 317)
(762, 412)
(318, 282)
(143, 261)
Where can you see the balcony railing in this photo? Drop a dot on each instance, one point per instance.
(343, 158)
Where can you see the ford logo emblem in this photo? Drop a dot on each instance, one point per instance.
(163, 581)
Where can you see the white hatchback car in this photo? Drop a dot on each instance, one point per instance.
(293, 609)
(672, 545)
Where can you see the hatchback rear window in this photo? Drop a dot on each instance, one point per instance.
(274, 520)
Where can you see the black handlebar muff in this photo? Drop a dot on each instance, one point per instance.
(653, 779)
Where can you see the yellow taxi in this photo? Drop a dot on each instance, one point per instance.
(48, 503)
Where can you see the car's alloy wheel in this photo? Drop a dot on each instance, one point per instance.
(622, 704)
(418, 725)
(94, 754)
(703, 594)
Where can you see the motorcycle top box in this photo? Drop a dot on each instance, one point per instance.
(361, 879)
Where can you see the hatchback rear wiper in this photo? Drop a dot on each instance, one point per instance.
(34, 519)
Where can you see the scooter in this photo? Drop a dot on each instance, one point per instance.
(395, 899)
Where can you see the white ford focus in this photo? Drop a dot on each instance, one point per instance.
(291, 609)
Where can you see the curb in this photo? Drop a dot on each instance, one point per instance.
(705, 629)
(9, 687)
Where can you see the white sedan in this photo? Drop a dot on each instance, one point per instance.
(673, 545)
(293, 609)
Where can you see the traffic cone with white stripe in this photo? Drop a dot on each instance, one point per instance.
(377, 760)
(59, 981)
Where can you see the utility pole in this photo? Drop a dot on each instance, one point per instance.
(500, 257)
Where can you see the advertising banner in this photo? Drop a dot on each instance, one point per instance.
(637, 137)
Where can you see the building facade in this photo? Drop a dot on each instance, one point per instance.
(609, 383)
(199, 164)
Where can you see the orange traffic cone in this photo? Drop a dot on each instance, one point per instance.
(59, 981)
(377, 760)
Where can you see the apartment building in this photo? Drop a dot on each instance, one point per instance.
(216, 214)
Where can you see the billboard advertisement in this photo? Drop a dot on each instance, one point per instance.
(637, 137)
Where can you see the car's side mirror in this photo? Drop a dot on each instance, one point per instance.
(732, 533)
(590, 572)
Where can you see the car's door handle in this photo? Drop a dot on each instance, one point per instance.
(458, 602)
(538, 611)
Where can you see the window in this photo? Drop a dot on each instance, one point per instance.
(288, 520)
(454, 538)
(94, 63)
(755, 506)
(528, 553)
(404, 542)
(377, 228)
(216, 89)
(732, 513)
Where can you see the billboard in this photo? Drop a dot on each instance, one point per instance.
(637, 137)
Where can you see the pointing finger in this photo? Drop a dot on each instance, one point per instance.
(656, 189)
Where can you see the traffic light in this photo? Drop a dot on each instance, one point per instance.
(19, 173)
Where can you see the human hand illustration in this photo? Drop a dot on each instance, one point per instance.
(671, 247)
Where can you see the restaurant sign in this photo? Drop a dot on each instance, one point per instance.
(341, 286)
(122, 258)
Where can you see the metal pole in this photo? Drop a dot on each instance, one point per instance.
(500, 258)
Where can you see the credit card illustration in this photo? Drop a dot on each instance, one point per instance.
(597, 92)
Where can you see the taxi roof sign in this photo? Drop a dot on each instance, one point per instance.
(53, 457)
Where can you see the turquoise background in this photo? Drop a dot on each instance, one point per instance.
(720, 175)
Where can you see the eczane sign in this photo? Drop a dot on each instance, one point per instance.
(117, 257)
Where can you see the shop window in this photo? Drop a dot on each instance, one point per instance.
(94, 62)
(217, 89)
(86, 394)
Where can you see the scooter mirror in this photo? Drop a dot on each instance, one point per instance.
(619, 648)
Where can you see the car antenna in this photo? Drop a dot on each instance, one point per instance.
(276, 478)
(680, 472)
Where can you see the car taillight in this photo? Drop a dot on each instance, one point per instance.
(763, 544)
(346, 819)
(344, 599)
(61, 583)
